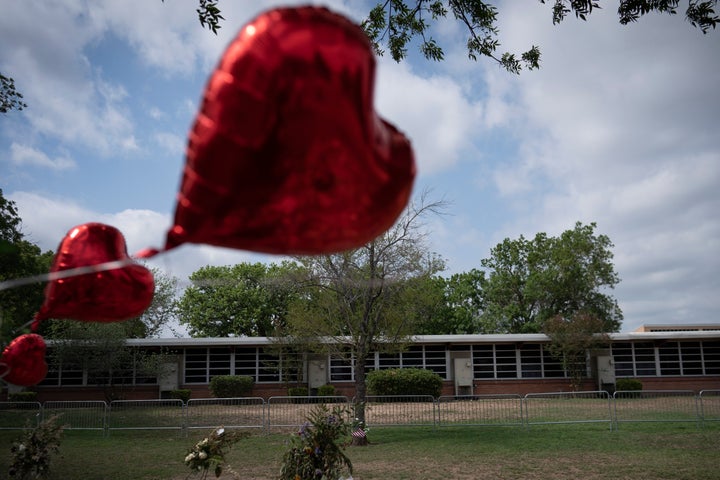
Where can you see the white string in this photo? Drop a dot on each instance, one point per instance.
(70, 272)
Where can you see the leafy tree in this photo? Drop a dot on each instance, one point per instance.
(10, 98)
(241, 300)
(571, 339)
(369, 298)
(163, 309)
(530, 281)
(18, 259)
(457, 305)
(395, 23)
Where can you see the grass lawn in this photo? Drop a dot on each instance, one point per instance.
(590, 451)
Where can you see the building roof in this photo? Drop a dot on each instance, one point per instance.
(435, 339)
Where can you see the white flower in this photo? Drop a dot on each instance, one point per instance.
(203, 455)
(220, 431)
(21, 447)
(190, 457)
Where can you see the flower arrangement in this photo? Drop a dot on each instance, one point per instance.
(316, 450)
(209, 453)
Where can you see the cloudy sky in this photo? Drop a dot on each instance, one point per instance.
(620, 126)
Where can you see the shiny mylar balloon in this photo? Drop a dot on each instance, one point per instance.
(287, 154)
(23, 361)
(102, 295)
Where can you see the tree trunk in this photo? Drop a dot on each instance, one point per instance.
(359, 437)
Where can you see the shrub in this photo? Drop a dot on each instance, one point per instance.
(22, 397)
(404, 381)
(181, 393)
(326, 391)
(628, 384)
(298, 391)
(231, 386)
(31, 453)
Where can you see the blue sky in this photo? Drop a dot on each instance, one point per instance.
(619, 127)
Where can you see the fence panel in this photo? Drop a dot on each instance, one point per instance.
(710, 405)
(19, 415)
(568, 407)
(386, 410)
(656, 406)
(78, 415)
(168, 414)
(284, 412)
(246, 412)
(480, 410)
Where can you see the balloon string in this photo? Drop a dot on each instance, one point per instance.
(70, 272)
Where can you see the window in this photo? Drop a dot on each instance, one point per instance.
(691, 358)
(669, 354)
(435, 359)
(219, 361)
(634, 359)
(246, 362)
(269, 367)
(483, 361)
(196, 365)
(531, 360)
(388, 360)
(505, 361)
(623, 356)
(67, 374)
(74, 374)
(412, 357)
(341, 367)
(552, 367)
(711, 357)
(644, 359)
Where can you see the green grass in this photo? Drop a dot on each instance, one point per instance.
(636, 451)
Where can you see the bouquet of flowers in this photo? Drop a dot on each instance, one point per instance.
(209, 453)
(316, 450)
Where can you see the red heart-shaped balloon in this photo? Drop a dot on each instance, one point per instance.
(105, 294)
(23, 360)
(287, 154)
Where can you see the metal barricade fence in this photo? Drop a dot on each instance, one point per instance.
(655, 406)
(245, 412)
(710, 405)
(285, 412)
(19, 415)
(413, 410)
(568, 407)
(484, 410)
(77, 415)
(168, 414)
(406, 410)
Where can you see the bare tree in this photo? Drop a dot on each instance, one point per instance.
(367, 299)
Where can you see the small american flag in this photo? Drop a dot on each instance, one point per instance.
(359, 433)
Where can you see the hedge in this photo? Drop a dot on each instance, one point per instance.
(628, 384)
(404, 381)
(231, 386)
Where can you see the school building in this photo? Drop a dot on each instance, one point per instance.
(662, 357)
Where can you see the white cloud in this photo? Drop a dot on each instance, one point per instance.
(46, 221)
(435, 113)
(25, 155)
(68, 100)
(171, 143)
